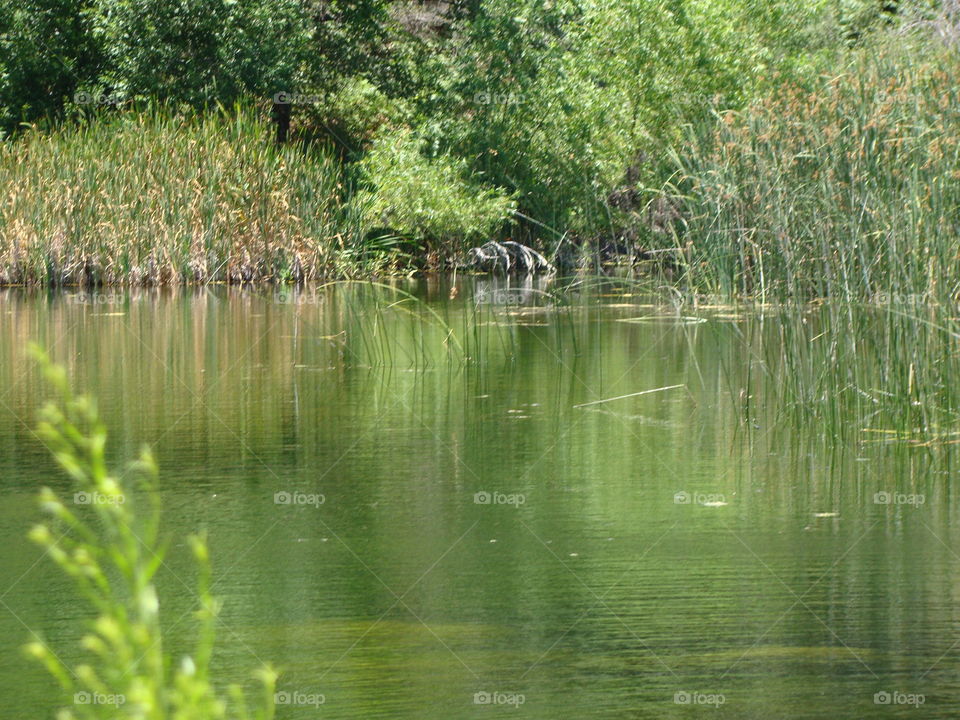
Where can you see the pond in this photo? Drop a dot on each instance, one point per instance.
(456, 498)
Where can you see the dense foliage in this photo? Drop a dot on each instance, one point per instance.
(552, 121)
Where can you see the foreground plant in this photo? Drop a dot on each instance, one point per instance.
(112, 550)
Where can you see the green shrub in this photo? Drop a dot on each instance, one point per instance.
(557, 102)
(434, 200)
(354, 114)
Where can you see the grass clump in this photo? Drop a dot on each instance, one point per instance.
(113, 551)
(844, 187)
(857, 374)
(154, 198)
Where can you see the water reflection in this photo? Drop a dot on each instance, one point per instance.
(492, 526)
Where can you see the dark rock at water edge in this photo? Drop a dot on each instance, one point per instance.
(508, 257)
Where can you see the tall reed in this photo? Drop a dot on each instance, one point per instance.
(840, 198)
(158, 197)
(848, 187)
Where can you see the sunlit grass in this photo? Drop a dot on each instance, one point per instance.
(847, 187)
(160, 198)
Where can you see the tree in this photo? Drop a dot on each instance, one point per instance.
(47, 51)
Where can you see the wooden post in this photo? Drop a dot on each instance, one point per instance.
(281, 116)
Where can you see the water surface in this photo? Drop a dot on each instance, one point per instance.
(419, 509)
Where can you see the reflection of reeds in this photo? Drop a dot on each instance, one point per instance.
(157, 198)
(883, 374)
(853, 373)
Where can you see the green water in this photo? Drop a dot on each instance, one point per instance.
(587, 587)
